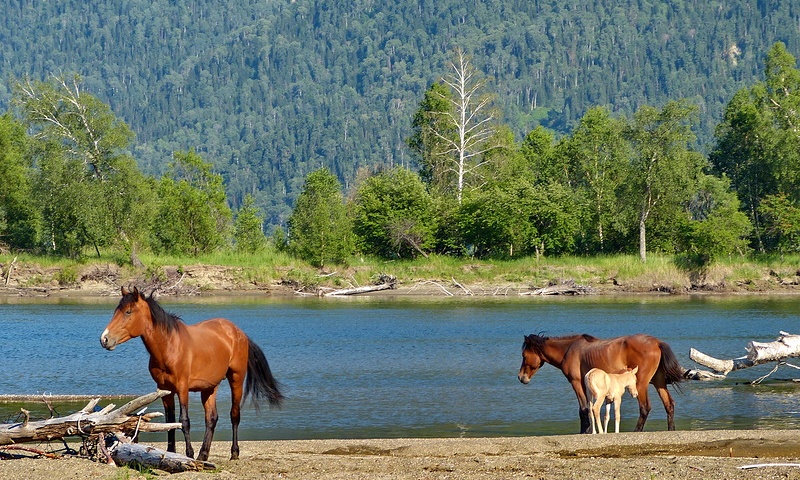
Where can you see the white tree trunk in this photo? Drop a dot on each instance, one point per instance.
(786, 346)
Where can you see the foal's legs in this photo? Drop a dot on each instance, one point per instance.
(608, 416)
(209, 399)
(617, 405)
(169, 417)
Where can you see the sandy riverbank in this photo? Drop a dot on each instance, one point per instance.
(718, 454)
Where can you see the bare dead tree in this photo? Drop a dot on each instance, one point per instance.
(472, 119)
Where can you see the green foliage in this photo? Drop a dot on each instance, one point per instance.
(248, 233)
(394, 215)
(598, 160)
(717, 227)
(19, 220)
(429, 127)
(320, 230)
(86, 188)
(783, 217)
(759, 149)
(268, 89)
(518, 218)
(664, 169)
(192, 217)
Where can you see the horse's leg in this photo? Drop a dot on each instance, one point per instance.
(644, 406)
(183, 401)
(169, 417)
(608, 416)
(669, 406)
(236, 381)
(617, 405)
(209, 398)
(583, 406)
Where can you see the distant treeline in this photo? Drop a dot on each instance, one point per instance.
(69, 186)
(269, 91)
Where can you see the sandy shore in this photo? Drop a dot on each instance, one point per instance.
(718, 454)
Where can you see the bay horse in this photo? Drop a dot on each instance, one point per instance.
(575, 355)
(194, 358)
(609, 388)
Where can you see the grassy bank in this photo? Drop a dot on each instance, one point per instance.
(618, 273)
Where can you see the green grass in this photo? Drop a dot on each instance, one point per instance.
(660, 272)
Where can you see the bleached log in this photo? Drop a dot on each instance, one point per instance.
(358, 290)
(144, 455)
(564, 288)
(786, 346)
(86, 422)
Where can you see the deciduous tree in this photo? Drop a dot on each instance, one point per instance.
(193, 215)
(663, 169)
(394, 215)
(320, 230)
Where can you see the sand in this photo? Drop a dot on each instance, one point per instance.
(717, 454)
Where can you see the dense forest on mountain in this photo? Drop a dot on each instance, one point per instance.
(269, 91)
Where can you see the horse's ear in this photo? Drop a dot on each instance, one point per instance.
(635, 369)
(124, 291)
(136, 292)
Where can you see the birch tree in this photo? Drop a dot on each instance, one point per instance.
(663, 170)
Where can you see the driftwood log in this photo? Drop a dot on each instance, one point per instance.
(568, 287)
(758, 353)
(122, 424)
(87, 421)
(385, 282)
(134, 454)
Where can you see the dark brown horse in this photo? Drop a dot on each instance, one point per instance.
(194, 358)
(577, 354)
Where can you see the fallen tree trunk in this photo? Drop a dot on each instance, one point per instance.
(86, 422)
(565, 288)
(786, 346)
(135, 454)
(358, 290)
(386, 282)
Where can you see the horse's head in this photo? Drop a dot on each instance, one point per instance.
(129, 321)
(532, 359)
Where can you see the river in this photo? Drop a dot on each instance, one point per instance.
(414, 367)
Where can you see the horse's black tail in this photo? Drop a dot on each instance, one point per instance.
(673, 372)
(259, 383)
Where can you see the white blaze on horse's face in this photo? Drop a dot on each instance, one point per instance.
(119, 328)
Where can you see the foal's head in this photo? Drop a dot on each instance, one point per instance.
(131, 319)
(629, 381)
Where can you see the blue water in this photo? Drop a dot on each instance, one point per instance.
(400, 367)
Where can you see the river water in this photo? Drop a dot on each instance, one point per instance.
(410, 367)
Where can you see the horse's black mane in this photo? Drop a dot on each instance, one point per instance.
(536, 340)
(162, 319)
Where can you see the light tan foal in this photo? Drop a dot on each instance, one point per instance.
(609, 387)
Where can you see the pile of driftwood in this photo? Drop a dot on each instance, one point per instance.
(111, 430)
(758, 353)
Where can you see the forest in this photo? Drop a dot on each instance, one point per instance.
(69, 185)
(267, 92)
